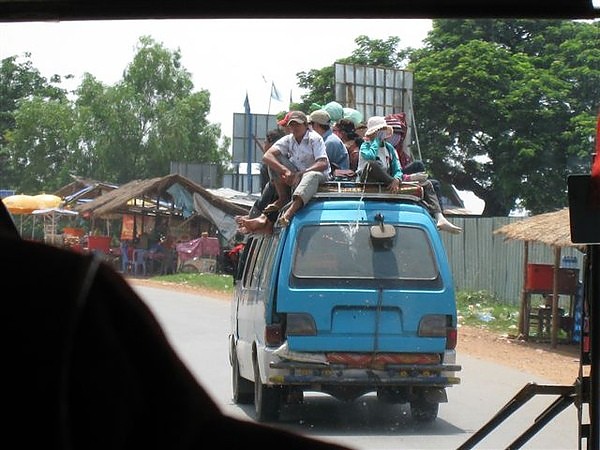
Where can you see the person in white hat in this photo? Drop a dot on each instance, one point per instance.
(378, 162)
(410, 166)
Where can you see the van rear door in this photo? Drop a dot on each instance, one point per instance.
(363, 296)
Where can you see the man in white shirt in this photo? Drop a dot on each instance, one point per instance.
(298, 161)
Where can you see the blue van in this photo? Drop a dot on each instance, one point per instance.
(355, 296)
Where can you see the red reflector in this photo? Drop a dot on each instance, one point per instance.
(380, 360)
(451, 338)
(273, 335)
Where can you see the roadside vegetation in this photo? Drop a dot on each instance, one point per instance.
(213, 282)
(482, 309)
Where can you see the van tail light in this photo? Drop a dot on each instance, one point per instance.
(300, 324)
(439, 325)
(451, 338)
(274, 335)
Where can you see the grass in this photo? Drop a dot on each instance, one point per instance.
(481, 309)
(478, 308)
(214, 282)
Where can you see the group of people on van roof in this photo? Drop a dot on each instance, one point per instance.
(306, 151)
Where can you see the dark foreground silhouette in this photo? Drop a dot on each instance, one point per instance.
(88, 366)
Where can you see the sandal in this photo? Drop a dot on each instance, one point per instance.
(277, 205)
(283, 222)
(271, 208)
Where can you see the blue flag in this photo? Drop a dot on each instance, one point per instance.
(275, 93)
(247, 105)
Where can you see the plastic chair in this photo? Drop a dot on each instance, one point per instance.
(139, 261)
(168, 263)
(125, 262)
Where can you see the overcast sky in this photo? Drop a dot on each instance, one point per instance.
(228, 57)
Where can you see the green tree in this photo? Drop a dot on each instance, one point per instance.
(505, 108)
(378, 52)
(185, 135)
(109, 132)
(40, 144)
(130, 130)
(152, 118)
(19, 80)
(319, 84)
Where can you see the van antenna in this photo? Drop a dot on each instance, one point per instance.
(414, 124)
(379, 218)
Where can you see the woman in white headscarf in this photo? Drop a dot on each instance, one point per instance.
(379, 162)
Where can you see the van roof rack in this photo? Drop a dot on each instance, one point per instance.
(352, 189)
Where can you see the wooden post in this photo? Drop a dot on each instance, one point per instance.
(524, 310)
(555, 318)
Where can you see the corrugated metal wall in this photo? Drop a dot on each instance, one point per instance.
(206, 175)
(481, 260)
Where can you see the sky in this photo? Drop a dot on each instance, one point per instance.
(227, 57)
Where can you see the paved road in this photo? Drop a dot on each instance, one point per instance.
(198, 326)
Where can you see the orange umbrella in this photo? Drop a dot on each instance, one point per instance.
(20, 204)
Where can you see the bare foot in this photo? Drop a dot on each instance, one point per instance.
(444, 225)
(268, 229)
(256, 227)
(286, 216)
(240, 219)
(255, 224)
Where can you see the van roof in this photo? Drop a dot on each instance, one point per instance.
(349, 189)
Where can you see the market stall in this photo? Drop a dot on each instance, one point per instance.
(550, 280)
(51, 217)
(185, 208)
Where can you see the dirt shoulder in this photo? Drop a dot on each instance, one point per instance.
(559, 365)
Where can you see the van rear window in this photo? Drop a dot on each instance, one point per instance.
(346, 253)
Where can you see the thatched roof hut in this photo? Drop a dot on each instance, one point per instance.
(82, 190)
(151, 195)
(173, 196)
(551, 229)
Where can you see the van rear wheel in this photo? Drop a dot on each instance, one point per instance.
(243, 390)
(267, 399)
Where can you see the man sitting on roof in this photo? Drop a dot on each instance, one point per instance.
(298, 161)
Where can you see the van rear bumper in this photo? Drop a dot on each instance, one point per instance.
(299, 373)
